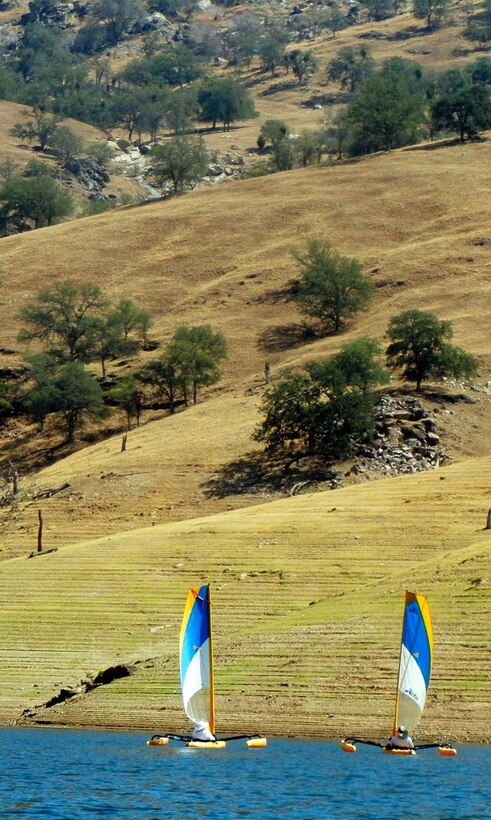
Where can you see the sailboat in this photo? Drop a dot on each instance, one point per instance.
(413, 680)
(197, 683)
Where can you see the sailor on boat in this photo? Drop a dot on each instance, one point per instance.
(202, 732)
(401, 740)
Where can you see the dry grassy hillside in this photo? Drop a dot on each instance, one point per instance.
(20, 152)
(417, 218)
(308, 596)
(283, 98)
(308, 591)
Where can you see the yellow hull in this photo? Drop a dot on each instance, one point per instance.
(206, 744)
(447, 752)
(257, 743)
(158, 741)
(404, 752)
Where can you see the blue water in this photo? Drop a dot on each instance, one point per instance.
(71, 775)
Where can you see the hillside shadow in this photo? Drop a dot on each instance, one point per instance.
(256, 473)
(283, 337)
(284, 85)
(327, 99)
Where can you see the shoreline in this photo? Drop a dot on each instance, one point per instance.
(426, 738)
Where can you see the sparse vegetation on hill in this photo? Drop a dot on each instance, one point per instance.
(332, 287)
(327, 412)
(420, 350)
(286, 574)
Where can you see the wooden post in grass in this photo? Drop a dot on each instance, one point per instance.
(123, 443)
(488, 522)
(267, 373)
(14, 476)
(40, 532)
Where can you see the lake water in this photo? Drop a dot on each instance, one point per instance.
(70, 775)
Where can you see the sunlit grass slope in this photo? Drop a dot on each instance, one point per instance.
(308, 597)
(414, 217)
(420, 221)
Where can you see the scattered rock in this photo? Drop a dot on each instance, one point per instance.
(405, 440)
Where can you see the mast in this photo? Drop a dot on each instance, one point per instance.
(396, 709)
(212, 686)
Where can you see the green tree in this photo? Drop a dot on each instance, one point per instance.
(37, 168)
(37, 124)
(108, 341)
(302, 63)
(308, 147)
(326, 412)
(338, 136)
(432, 11)
(277, 133)
(128, 396)
(70, 391)
(389, 108)
(466, 111)
(271, 48)
(419, 348)
(350, 67)
(65, 318)
(127, 108)
(166, 378)
(131, 318)
(356, 366)
(290, 415)
(199, 351)
(10, 84)
(335, 21)
(66, 144)
(77, 394)
(379, 9)
(332, 287)
(118, 16)
(480, 71)
(39, 399)
(182, 161)
(274, 131)
(174, 65)
(225, 100)
(182, 108)
(38, 198)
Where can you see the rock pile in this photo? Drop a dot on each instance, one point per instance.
(405, 440)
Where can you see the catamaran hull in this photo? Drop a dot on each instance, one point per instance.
(403, 752)
(206, 744)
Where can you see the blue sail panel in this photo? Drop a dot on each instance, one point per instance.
(415, 662)
(195, 656)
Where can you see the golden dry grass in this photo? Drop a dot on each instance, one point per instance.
(223, 256)
(12, 148)
(308, 591)
(308, 596)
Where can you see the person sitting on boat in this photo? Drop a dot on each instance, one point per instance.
(401, 739)
(202, 731)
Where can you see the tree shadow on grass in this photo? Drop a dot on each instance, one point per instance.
(285, 85)
(327, 99)
(256, 473)
(284, 337)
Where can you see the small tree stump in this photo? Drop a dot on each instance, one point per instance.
(40, 532)
(14, 477)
